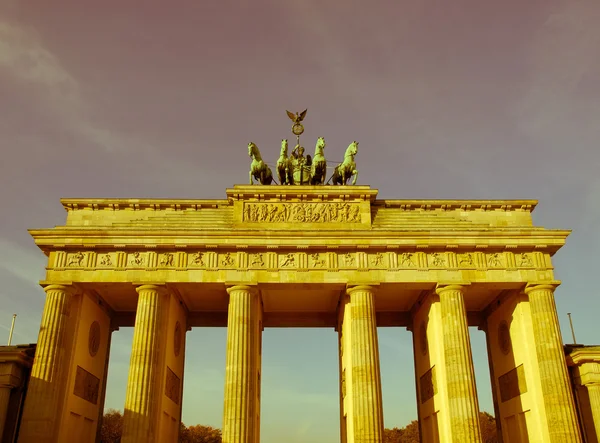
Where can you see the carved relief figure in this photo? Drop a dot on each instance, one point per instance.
(494, 260)
(106, 260)
(317, 260)
(466, 259)
(525, 260)
(406, 259)
(438, 259)
(258, 168)
(76, 259)
(137, 259)
(319, 164)
(228, 260)
(198, 259)
(289, 260)
(378, 259)
(349, 258)
(347, 168)
(326, 212)
(257, 260)
(167, 259)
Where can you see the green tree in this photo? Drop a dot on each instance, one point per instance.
(111, 430)
(410, 433)
(199, 434)
(489, 432)
(112, 426)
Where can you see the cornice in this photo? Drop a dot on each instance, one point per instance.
(519, 233)
(577, 355)
(463, 205)
(547, 241)
(299, 193)
(22, 355)
(138, 204)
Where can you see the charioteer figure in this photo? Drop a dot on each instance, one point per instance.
(301, 166)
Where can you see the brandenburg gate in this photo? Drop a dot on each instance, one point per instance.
(308, 255)
(300, 256)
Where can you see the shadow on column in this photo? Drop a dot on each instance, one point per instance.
(511, 371)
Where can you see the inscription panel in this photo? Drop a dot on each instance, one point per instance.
(428, 385)
(319, 212)
(512, 384)
(172, 386)
(87, 386)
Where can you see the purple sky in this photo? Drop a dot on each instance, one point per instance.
(462, 99)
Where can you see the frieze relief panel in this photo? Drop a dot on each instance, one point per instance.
(306, 259)
(317, 212)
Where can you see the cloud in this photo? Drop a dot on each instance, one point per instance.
(563, 63)
(23, 263)
(24, 56)
(59, 94)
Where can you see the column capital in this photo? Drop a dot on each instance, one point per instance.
(159, 287)
(443, 287)
(540, 286)
(248, 288)
(371, 287)
(68, 288)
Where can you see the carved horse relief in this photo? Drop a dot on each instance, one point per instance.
(258, 168)
(347, 168)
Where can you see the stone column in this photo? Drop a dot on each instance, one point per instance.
(47, 373)
(556, 390)
(140, 419)
(4, 398)
(460, 377)
(241, 372)
(594, 395)
(367, 405)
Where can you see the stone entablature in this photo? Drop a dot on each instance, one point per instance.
(341, 258)
(340, 229)
(336, 229)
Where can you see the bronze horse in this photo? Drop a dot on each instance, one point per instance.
(347, 168)
(319, 164)
(258, 168)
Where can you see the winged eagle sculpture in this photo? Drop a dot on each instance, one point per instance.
(297, 117)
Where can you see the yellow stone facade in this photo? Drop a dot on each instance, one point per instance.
(301, 256)
(584, 363)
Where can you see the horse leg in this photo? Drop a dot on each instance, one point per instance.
(355, 172)
(251, 177)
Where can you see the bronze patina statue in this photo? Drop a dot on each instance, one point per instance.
(346, 169)
(298, 169)
(258, 168)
